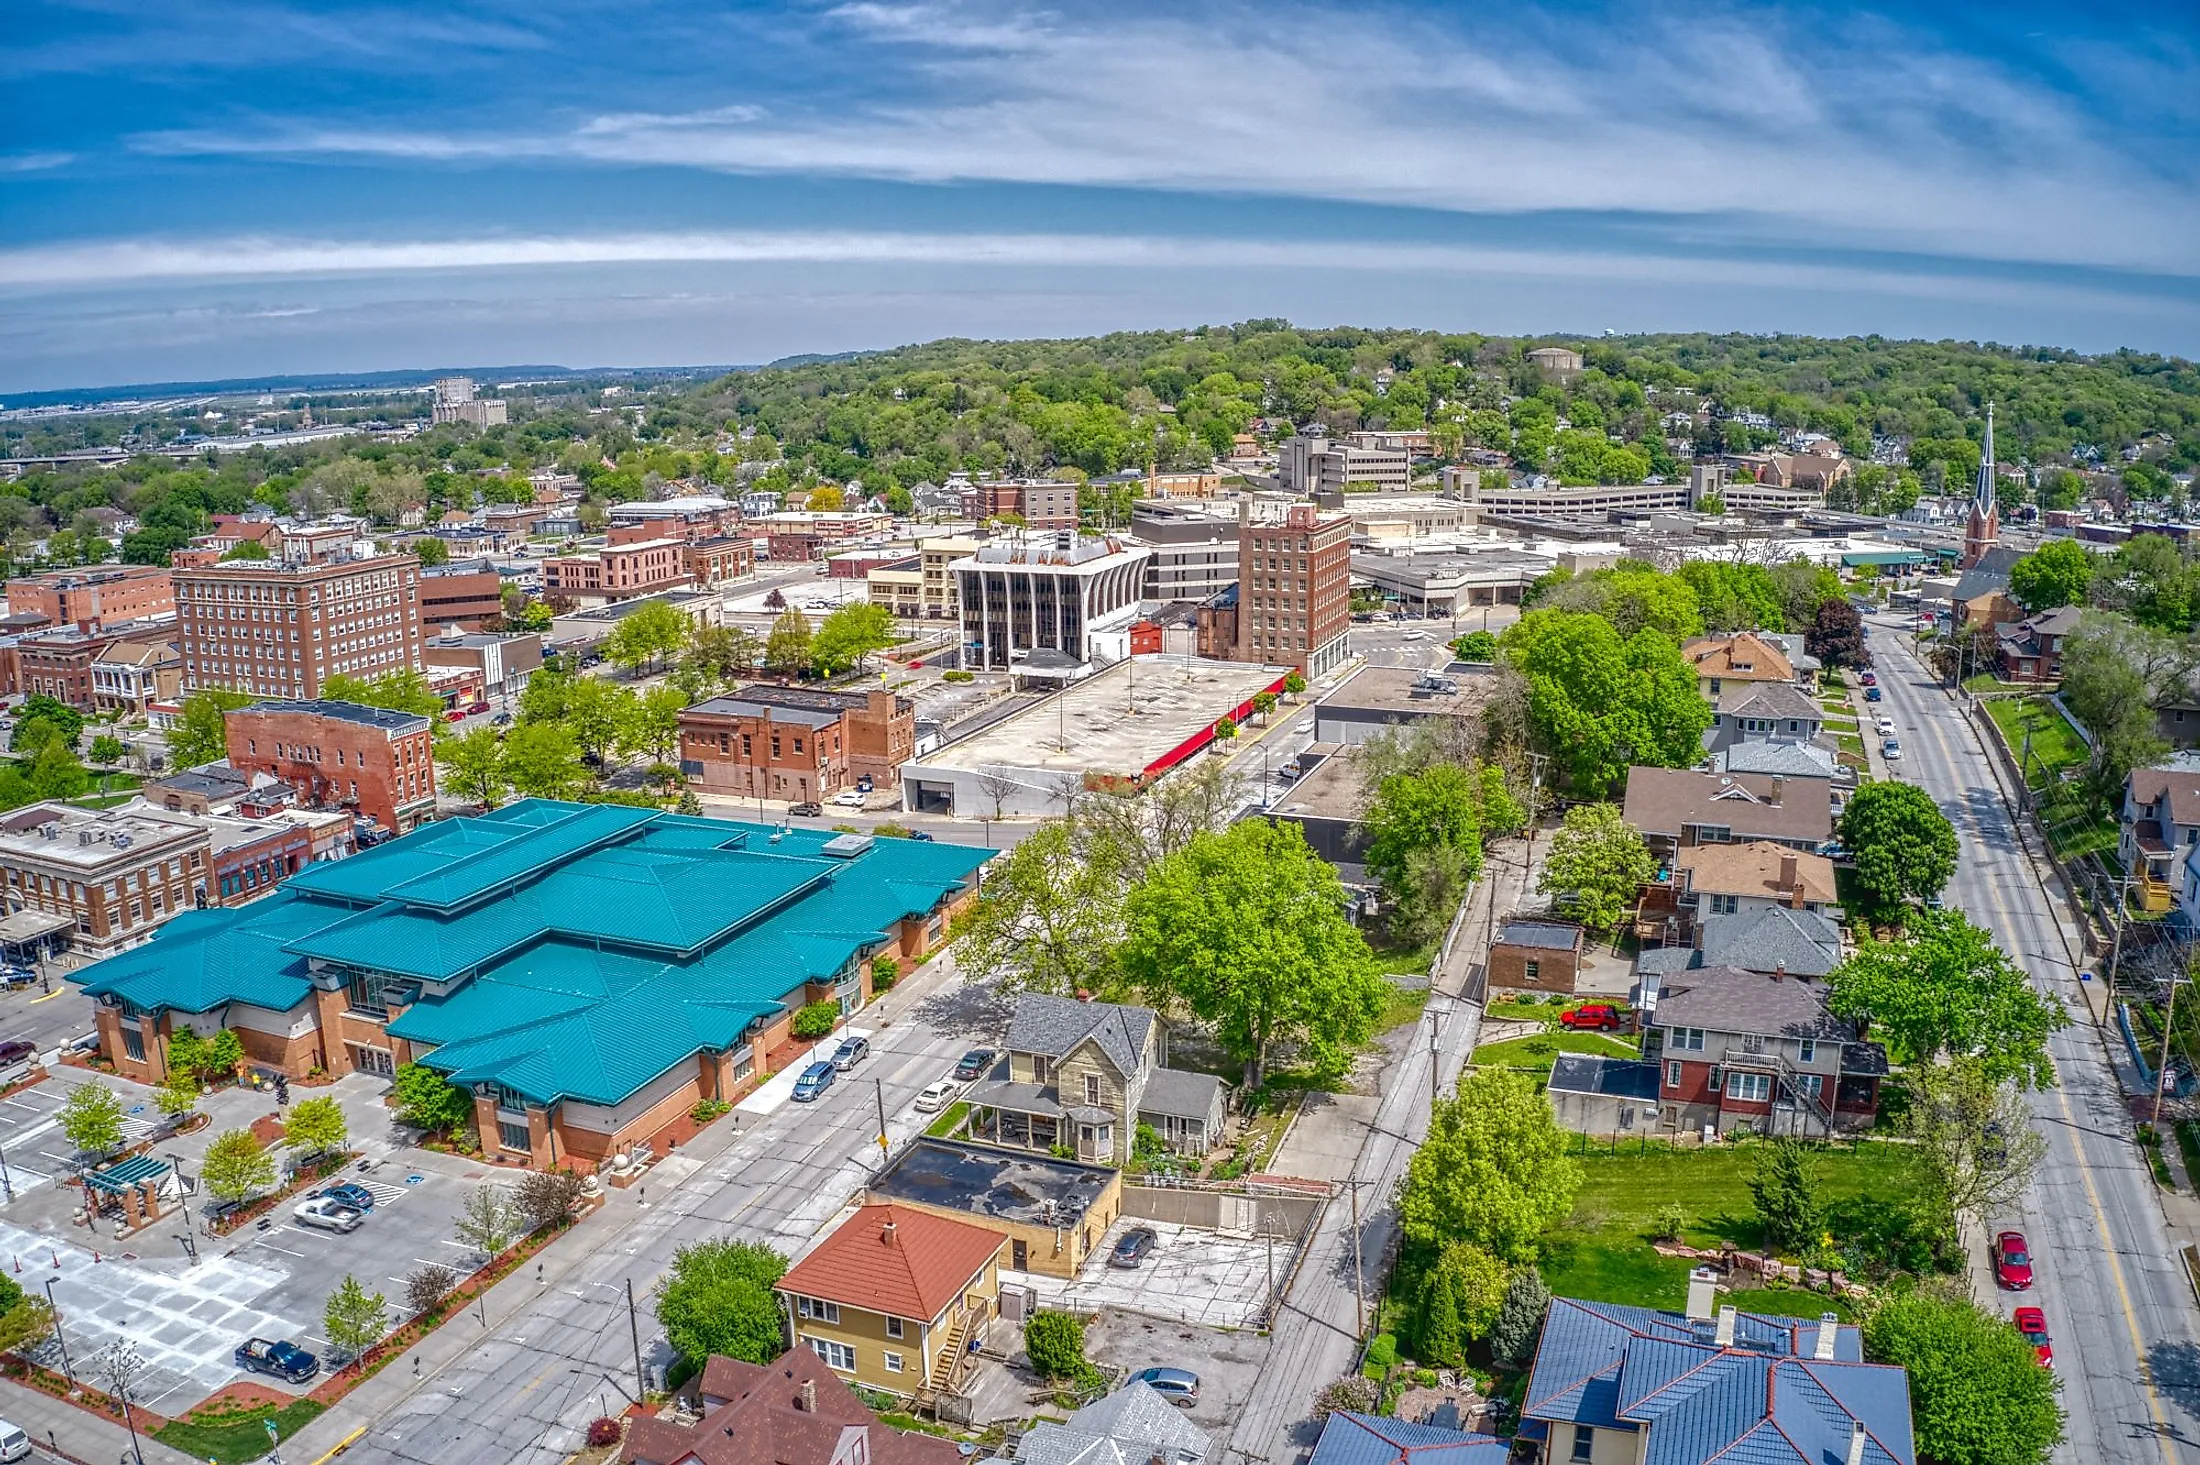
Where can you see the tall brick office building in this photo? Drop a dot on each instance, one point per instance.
(90, 598)
(279, 630)
(1294, 589)
(378, 763)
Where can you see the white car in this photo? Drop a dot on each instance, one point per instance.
(848, 798)
(1416, 636)
(1886, 727)
(328, 1215)
(937, 1096)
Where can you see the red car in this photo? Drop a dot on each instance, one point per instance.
(1599, 1016)
(2032, 1322)
(2012, 1261)
(1870, 679)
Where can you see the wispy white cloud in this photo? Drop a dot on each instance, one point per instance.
(1862, 134)
(48, 268)
(34, 162)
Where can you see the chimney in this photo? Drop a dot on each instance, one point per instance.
(1829, 1329)
(1724, 1337)
(1857, 1434)
(886, 1233)
(1787, 871)
(1779, 971)
(1779, 786)
(1703, 1291)
(807, 1403)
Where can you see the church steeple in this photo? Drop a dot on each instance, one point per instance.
(1984, 528)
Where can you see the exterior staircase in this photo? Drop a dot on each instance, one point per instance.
(947, 1365)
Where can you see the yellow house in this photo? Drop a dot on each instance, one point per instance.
(893, 1298)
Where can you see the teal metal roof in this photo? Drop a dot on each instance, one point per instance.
(601, 950)
(1883, 557)
(123, 1174)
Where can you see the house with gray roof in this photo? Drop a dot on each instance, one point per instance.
(1132, 1426)
(1749, 1051)
(1086, 1075)
(1768, 939)
(1615, 1383)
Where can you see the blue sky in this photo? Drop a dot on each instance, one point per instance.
(238, 187)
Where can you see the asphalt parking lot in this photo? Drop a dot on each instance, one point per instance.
(31, 1143)
(1192, 1276)
(1227, 1362)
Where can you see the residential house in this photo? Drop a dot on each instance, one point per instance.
(1536, 956)
(1368, 1439)
(1678, 807)
(2160, 827)
(1770, 712)
(1744, 657)
(1745, 1050)
(2031, 649)
(1614, 1385)
(1081, 1074)
(1132, 1426)
(1775, 759)
(1735, 879)
(791, 1411)
(894, 1296)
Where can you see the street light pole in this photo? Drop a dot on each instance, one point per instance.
(66, 1371)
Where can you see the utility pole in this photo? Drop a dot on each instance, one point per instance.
(1535, 788)
(634, 1327)
(1433, 1021)
(66, 1371)
(878, 1088)
(2116, 949)
(1359, 1268)
(2161, 1069)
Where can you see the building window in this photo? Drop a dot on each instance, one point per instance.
(893, 1361)
(1806, 1051)
(817, 1310)
(838, 1357)
(370, 991)
(1673, 1075)
(1585, 1440)
(1690, 1039)
(133, 1042)
(1716, 1078)
(1535, 970)
(894, 1329)
(513, 1136)
(1750, 1087)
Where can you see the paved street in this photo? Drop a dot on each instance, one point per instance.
(2117, 1303)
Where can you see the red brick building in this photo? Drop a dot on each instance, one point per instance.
(60, 664)
(88, 599)
(373, 761)
(281, 630)
(1041, 505)
(460, 595)
(1295, 589)
(617, 571)
(795, 743)
(715, 561)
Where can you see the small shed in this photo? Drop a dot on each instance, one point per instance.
(1186, 1109)
(1535, 956)
(1593, 1094)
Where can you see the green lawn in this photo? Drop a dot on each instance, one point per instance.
(1541, 1051)
(1603, 1251)
(238, 1435)
(1402, 1008)
(2074, 824)
(945, 1124)
(1517, 1009)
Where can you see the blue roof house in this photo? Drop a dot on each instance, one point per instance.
(1616, 1385)
(589, 971)
(1367, 1439)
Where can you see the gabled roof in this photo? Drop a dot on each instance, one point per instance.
(793, 1411)
(1365, 1439)
(895, 1260)
(1054, 1025)
(1765, 1399)
(1755, 869)
(1724, 999)
(1776, 756)
(1744, 655)
(1132, 1426)
(1771, 939)
(1181, 1095)
(1661, 800)
(1778, 700)
(2149, 784)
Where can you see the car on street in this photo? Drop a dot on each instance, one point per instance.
(920, 836)
(1886, 727)
(281, 1359)
(1869, 679)
(17, 976)
(2013, 1261)
(1134, 1247)
(501, 719)
(1890, 749)
(974, 1064)
(848, 798)
(1871, 694)
(1180, 1386)
(328, 1215)
(851, 1052)
(808, 810)
(814, 1080)
(15, 1443)
(456, 714)
(937, 1096)
(2032, 1322)
(16, 1051)
(358, 1197)
(1596, 1016)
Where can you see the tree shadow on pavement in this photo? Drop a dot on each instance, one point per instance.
(971, 1010)
(2175, 1368)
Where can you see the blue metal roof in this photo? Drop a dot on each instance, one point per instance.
(1765, 1399)
(592, 946)
(1365, 1439)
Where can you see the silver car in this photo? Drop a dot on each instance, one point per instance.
(327, 1215)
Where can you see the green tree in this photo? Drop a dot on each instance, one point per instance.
(473, 766)
(1458, 1302)
(849, 634)
(235, 1165)
(717, 1299)
(1226, 729)
(178, 1093)
(487, 1222)
(397, 691)
(199, 735)
(1631, 595)
(108, 749)
(542, 761)
(1785, 1187)
(1476, 646)
(1520, 1318)
(24, 1319)
(2059, 572)
(1971, 1138)
(722, 653)
(224, 1053)
(1802, 587)
(56, 773)
(1978, 1395)
(1047, 918)
(188, 1051)
(427, 1100)
(352, 1318)
(1247, 930)
(1596, 703)
(91, 1117)
(317, 1127)
(1493, 1171)
(1597, 863)
(245, 549)
(431, 551)
(42, 720)
(1425, 833)
(653, 724)
(1264, 703)
(651, 634)
(1948, 991)
(1055, 1344)
(787, 647)
(1712, 504)
(1293, 684)
(1903, 846)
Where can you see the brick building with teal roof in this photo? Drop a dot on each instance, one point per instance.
(588, 971)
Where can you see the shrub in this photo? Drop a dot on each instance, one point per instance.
(958, 676)
(603, 1432)
(1383, 1351)
(885, 971)
(1055, 1343)
(706, 1110)
(546, 1196)
(1354, 1393)
(816, 1020)
(1671, 1220)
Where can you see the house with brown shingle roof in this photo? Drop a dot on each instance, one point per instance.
(894, 1296)
(1744, 656)
(1679, 807)
(791, 1411)
(1741, 879)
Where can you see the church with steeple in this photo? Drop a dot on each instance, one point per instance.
(1984, 528)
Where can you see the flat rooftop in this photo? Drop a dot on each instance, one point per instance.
(1123, 720)
(1331, 791)
(1406, 689)
(1006, 1184)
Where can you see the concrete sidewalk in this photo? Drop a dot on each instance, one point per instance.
(77, 1435)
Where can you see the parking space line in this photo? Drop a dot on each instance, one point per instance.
(19, 1104)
